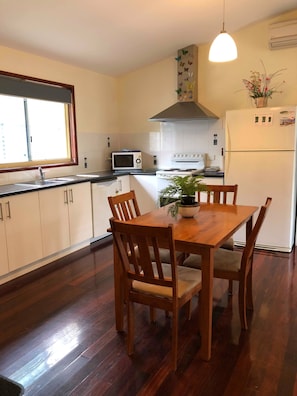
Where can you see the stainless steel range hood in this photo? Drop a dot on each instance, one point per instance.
(187, 107)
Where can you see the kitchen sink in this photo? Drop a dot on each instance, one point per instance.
(88, 176)
(46, 182)
(62, 179)
(38, 183)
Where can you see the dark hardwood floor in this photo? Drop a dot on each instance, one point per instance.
(58, 335)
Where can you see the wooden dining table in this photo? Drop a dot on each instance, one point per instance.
(202, 234)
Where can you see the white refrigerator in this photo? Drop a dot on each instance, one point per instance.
(260, 156)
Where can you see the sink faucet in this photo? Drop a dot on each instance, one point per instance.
(41, 173)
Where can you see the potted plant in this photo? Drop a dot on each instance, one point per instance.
(181, 192)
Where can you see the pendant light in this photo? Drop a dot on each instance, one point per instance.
(223, 47)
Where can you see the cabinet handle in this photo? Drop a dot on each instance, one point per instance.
(1, 212)
(65, 197)
(120, 185)
(8, 214)
(70, 195)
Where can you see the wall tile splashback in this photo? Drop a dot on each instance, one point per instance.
(183, 136)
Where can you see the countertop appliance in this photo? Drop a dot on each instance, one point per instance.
(260, 156)
(126, 160)
(183, 164)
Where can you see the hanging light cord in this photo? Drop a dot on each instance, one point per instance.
(223, 30)
(223, 47)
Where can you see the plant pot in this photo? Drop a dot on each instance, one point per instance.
(261, 101)
(188, 200)
(189, 210)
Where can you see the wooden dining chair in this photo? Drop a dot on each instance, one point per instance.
(220, 194)
(223, 194)
(147, 280)
(125, 207)
(236, 265)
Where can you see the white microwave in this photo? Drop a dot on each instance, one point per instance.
(126, 160)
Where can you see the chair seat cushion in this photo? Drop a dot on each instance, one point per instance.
(224, 260)
(187, 279)
(165, 255)
(229, 244)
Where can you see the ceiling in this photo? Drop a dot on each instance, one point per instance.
(115, 36)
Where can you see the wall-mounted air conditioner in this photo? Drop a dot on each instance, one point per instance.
(283, 35)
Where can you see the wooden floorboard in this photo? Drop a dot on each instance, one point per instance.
(58, 337)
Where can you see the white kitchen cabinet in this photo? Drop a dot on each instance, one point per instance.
(101, 210)
(124, 184)
(213, 180)
(22, 230)
(145, 187)
(66, 216)
(80, 212)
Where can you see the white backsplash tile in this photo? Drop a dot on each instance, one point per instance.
(182, 136)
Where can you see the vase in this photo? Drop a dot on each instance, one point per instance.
(188, 199)
(261, 101)
(189, 210)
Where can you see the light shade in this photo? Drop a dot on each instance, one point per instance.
(223, 48)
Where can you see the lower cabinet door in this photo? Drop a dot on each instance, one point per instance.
(54, 220)
(23, 229)
(80, 212)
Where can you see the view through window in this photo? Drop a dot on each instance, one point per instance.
(37, 123)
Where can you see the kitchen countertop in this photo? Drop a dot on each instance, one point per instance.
(93, 177)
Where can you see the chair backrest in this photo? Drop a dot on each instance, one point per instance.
(133, 243)
(124, 206)
(219, 194)
(247, 256)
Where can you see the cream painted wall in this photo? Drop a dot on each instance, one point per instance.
(95, 94)
(146, 92)
(96, 102)
(149, 90)
(221, 86)
(119, 108)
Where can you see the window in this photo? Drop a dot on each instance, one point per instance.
(37, 123)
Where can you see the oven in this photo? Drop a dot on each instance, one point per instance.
(182, 164)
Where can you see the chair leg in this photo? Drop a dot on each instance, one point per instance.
(242, 304)
(174, 338)
(199, 311)
(230, 288)
(152, 314)
(130, 336)
(181, 259)
(189, 309)
(249, 291)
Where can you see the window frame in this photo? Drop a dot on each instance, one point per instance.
(72, 132)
